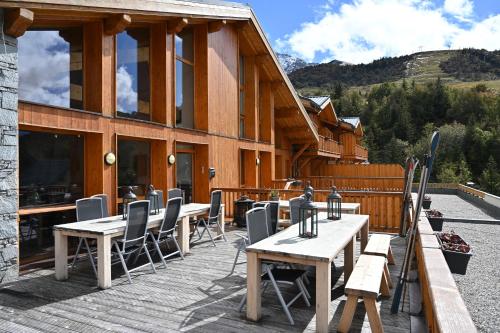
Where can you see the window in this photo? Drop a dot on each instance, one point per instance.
(184, 79)
(134, 165)
(50, 168)
(51, 67)
(242, 97)
(132, 74)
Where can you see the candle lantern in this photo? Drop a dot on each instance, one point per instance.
(128, 197)
(308, 218)
(334, 205)
(154, 199)
(310, 189)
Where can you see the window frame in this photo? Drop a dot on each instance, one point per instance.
(193, 66)
(241, 91)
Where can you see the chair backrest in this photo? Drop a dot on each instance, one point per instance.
(137, 223)
(104, 198)
(88, 209)
(256, 225)
(174, 193)
(275, 211)
(267, 206)
(171, 215)
(294, 209)
(160, 200)
(215, 202)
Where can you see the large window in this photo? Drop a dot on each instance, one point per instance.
(51, 67)
(242, 97)
(134, 165)
(184, 79)
(132, 74)
(50, 168)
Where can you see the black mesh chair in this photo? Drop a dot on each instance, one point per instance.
(273, 209)
(295, 204)
(174, 193)
(134, 239)
(212, 219)
(167, 229)
(87, 209)
(104, 198)
(257, 231)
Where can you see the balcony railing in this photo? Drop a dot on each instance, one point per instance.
(328, 145)
(356, 152)
(361, 152)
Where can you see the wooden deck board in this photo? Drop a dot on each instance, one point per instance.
(195, 294)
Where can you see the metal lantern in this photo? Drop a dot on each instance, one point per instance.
(309, 188)
(241, 206)
(128, 197)
(334, 205)
(154, 199)
(308, 218)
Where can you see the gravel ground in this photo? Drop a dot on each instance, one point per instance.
(480, 287)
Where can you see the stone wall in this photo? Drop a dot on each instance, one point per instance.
(8, 157)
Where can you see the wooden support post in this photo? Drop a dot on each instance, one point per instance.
(388, 275)
(384, 286)
(183, 235)
(305, 162)
(220, 230)
(104, 262)
(299, 153)
(373, 315)
(365, 235)
(349, 258)
(254, 271)
(323, 295)
(390, 257)
(176, 26)
(216, 25)
(117, 23)
(348, 313)
(17, 21)
(61, 255)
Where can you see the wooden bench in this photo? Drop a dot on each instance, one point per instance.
(366, 280)
(380, 245)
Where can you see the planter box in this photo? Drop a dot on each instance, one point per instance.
(435, 222)
(426, 204)
(457, 261)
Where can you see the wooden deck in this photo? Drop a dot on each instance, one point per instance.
(195, 295)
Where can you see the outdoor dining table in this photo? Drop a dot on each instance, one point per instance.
(105, 229)
(346, 207)
(287, 246)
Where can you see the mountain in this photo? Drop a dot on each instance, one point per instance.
(454, 67)
(291, 63)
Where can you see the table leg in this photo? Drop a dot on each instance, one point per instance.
(364, 235)
(349, 258)
(61, 255)
(323, 295)
(104, 262)
(254, 271)
(183, 235)
(220, 230)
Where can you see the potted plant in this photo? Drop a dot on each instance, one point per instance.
(274, 195)
(426, 204)
(456, 251)
(435, 218)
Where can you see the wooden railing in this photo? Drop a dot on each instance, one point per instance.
(384, 208)
(382, 184)
(329, 146)
(443, 306)
(361, 152)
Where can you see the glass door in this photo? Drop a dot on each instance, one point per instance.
(184, 174)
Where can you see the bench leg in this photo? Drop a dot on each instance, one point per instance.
(384, 286)
(373, 315)
(388, 275)
(390, 257)
(348, 313)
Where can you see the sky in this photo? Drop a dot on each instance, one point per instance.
(360, 31)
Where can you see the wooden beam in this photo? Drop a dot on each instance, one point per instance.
(216, 25)
(117, 23)
(262, 58)
(176, 26)
(277, 84)
(242, 25)
(300, 152)
(17, 21)
(304, 162)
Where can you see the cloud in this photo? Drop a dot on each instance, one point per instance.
(44, 68)
(459, 8)
(365, 30)
(126, 95)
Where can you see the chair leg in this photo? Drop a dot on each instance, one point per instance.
(91, 257)
(280, 297)
(208, 231)
(149, 257)
(80, 242)
(178, 247)
(235, 260)
(158, 250)
(223, 234)
(305, 289)
(242, 302)
(300, 285)
(123, 263)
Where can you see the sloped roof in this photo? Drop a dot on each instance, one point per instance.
(353, 121)
(318, 102)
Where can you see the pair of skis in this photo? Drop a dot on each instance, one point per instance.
(411, 165)
(410, 248)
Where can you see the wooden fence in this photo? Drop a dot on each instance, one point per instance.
(384, 208)
(349, 183)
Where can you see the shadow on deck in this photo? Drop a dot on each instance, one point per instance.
(195, 294)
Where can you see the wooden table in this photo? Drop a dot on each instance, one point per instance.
(107, 228)
(346, 207)
(287, 246)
